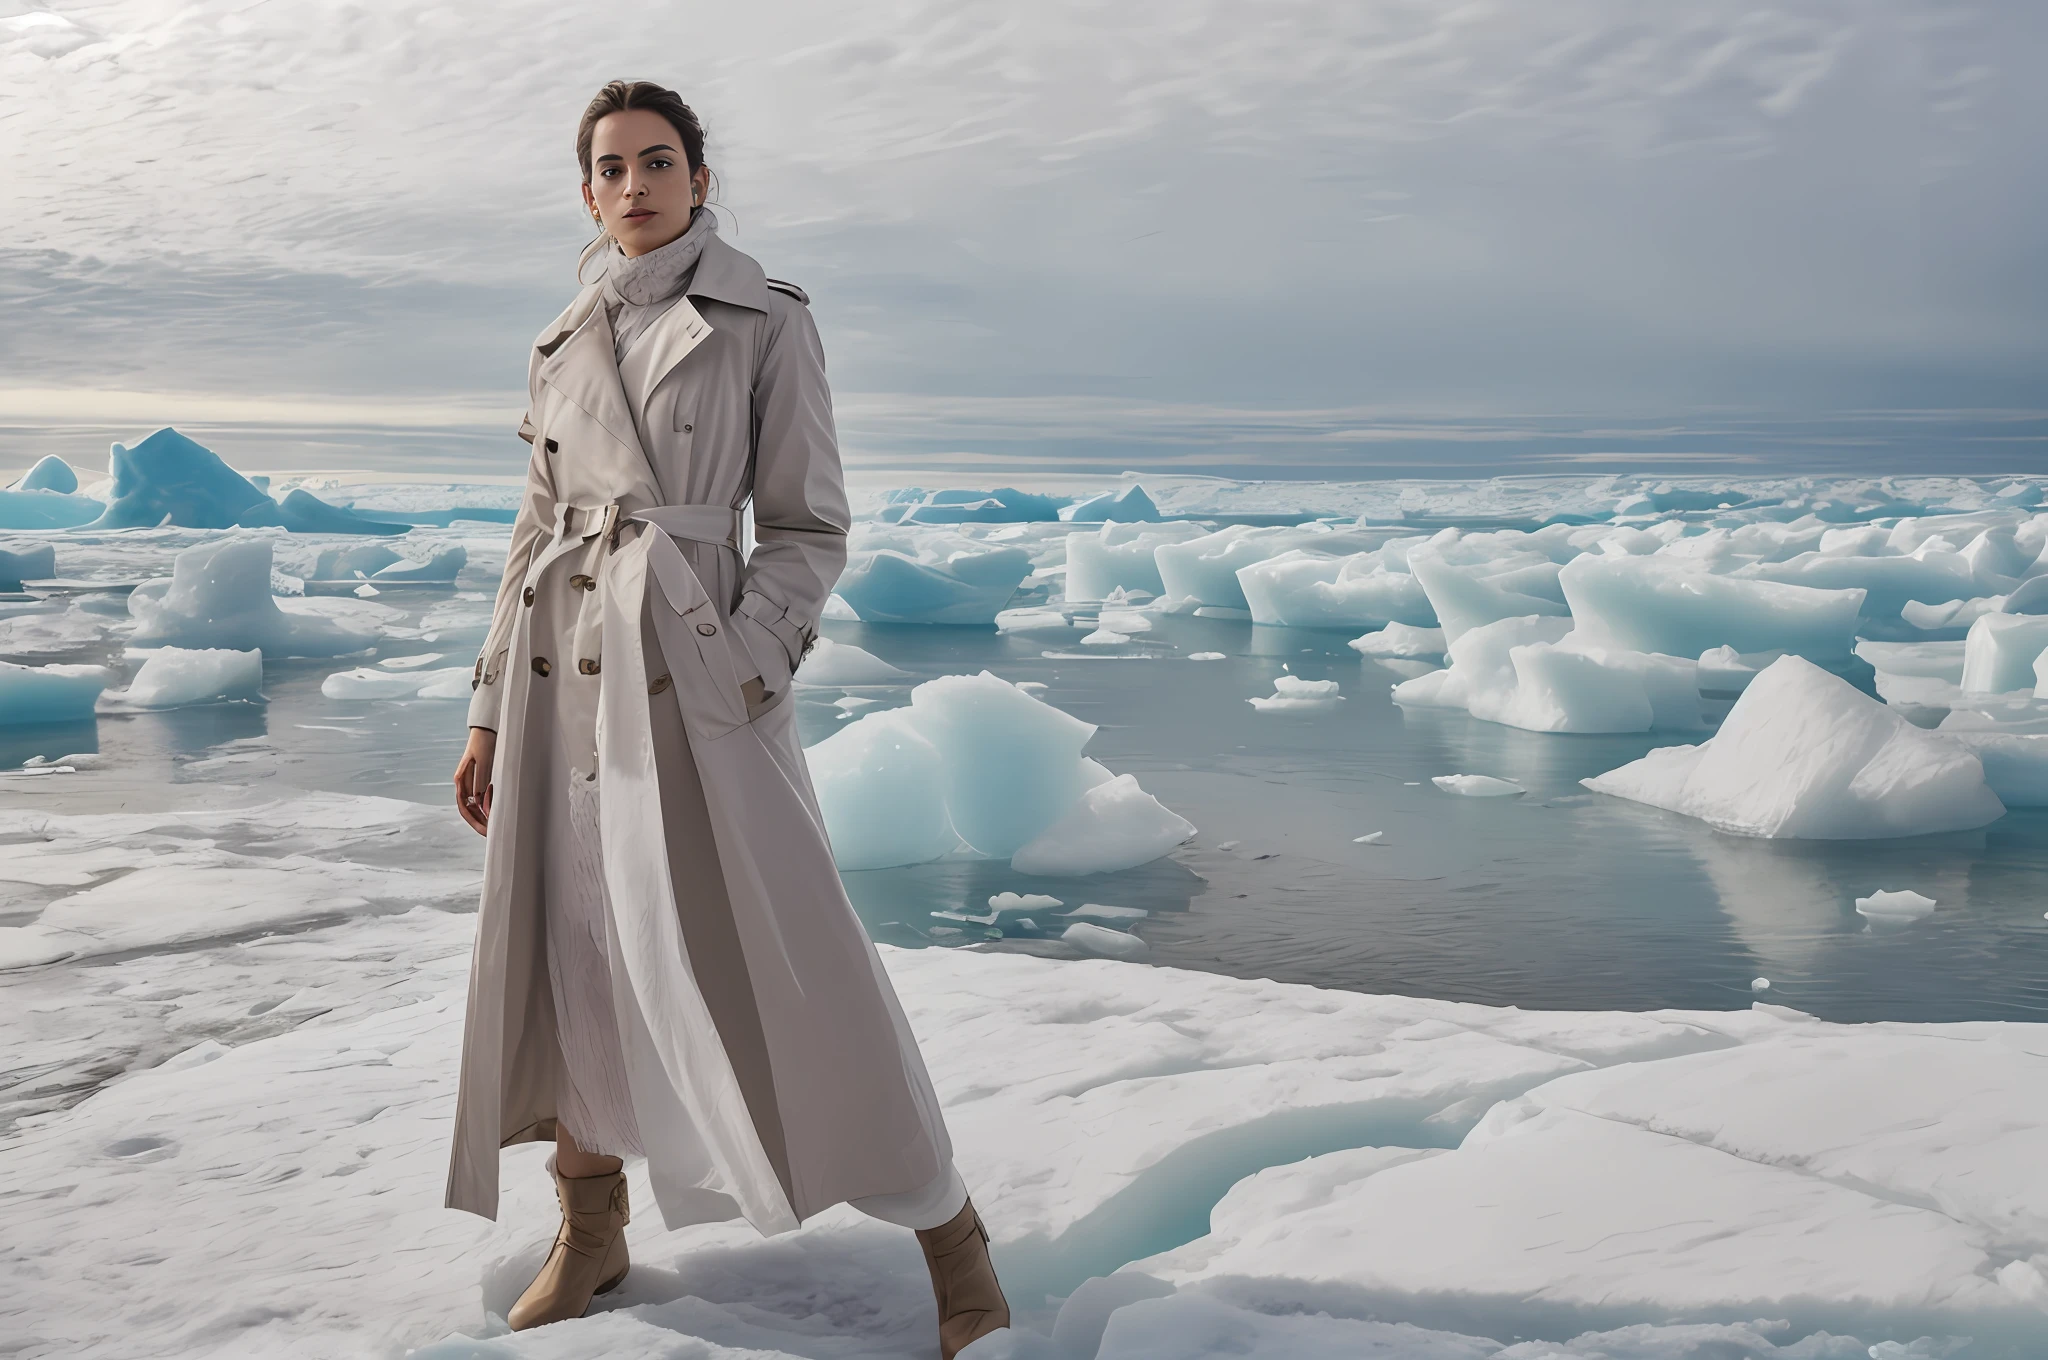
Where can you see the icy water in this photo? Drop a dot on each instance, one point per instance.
(1558, 898)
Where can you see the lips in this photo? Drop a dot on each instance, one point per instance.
(638, 212)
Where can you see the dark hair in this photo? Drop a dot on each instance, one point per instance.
(620, 95)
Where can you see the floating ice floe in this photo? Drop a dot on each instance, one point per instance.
(912, 505)
(1537, 673)
(49, 694)
(1303, 588)
(1401, 641)
(1206, 656)
(180, 677)
(1205, 568)
(1292, 694)
(1104, 942)
(171, 479)
(219, 596)
(1105, 637)
(1477, 785)
(1895, 906)
(1030, 620)
(371, 682)
(1651, 604)
(1120, 557)
(1804, 754)
(2003, 653)
(1125, 506)
(978, 760)
(836, 665)
(930, 578)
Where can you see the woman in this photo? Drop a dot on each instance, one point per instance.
(666, 964)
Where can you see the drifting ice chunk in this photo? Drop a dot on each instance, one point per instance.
(1004, 505)
(1895, 906)
(1030, 620)
(1931, 575)
(46, 510)
(1476, 785)
(1113, 944)
(1012, 764)
(50, 473)
(1125, 621)
(1115, 826)
(1124, 507)
(371, 682)
(888, 586)
(177, 677)
(1120, 556)
(1465, 598)
(1205, 656)
(28, 564)
(168, 478)
(48, 694)
(1537, 674)
(1999, 654)
(219, 596)
(1306, 589)
(835, 665)
(1292, 694)
(1402, 641)
(975, 758)
(1205, 568)
(1105, 637)
(360, 559)
(1805, 754)
(1650, 604)
(881, 788)
(444, 565)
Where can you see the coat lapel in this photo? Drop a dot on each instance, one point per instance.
(585, 371)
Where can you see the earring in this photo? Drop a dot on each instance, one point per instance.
(597, 217)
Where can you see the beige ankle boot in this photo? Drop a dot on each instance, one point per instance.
(589, 1257)
(971, 1302)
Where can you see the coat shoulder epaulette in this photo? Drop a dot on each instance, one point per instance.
(784, 286)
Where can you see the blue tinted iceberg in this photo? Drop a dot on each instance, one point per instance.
(1004, 505)
(1127, 506)
(1112, 826)
(1469, 595)
(48, 694)
(881, 788)
(1805, 754)
(1205, 569)
(46, 510)
(1535, 673)
(968, 586)
(176, 677)
(1306, 589)
(169, 478)
(17, 565)
(1120, 557)
(1651, 604)
(2000, 652)
(50, 473)
(219, 596)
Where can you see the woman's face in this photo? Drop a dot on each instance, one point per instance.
(640, 182)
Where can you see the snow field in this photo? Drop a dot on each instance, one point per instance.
(1170, 1163)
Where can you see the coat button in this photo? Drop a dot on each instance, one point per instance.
(529, 595)
(688, 428)
(540, 665)
(660, 684)
(582, 582)
(707, 629)
(588, 665)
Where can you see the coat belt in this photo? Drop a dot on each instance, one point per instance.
(701, 523)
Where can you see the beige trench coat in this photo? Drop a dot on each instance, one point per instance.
(772, 1072)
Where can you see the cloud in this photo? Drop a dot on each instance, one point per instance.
(1483, 206)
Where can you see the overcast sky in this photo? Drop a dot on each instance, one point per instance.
(1381, 233)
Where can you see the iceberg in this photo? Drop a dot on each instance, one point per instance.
(50, 473)
(46, 510)
(1650, 604)
(1401, 641)
(219, 596)
(1538, 674)
(1930, 575)
(1115, 825)
(836, 665)
(372, 682)
(1477, 785)
(48, 694)
(1127, 506)
(171, 479)
(1804, 754)
(968, 587)
(2000, 652)
(1302, 588)
(440, 568)
(1004, 505)
(26, 564)
(1204, 568)
(881, 789)
(358, 559)
(1292, 694)
(1467, 597)
(177, 677)
(1121, 557)
(1895, 906)
(1104, 942)
(978, 760)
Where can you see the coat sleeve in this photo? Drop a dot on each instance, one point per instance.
(800, 511)
(536, 515)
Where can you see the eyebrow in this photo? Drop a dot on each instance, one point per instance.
(646, 151)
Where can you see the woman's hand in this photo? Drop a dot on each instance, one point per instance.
(473, 778)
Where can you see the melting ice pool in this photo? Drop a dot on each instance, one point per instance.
(1556, 898)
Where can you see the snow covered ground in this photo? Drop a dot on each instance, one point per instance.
(233, 982)
(229, 1124)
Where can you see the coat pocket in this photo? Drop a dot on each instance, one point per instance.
(703, 663)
